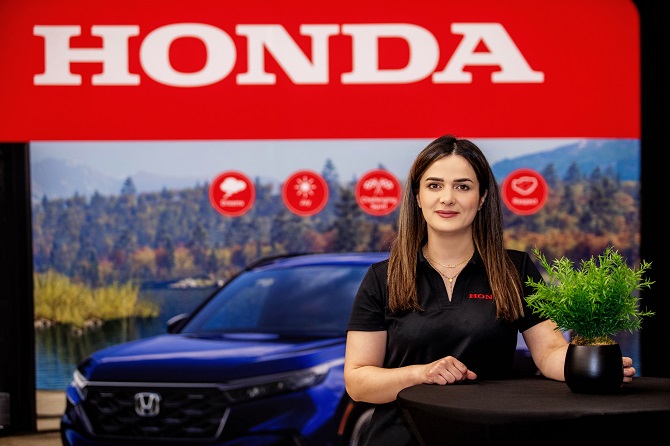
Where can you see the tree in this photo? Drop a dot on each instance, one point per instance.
(86, 267)
(551, 176)
(165, 257)
(573, 174)
(128, 188)
(198, 246)
(332, 179)
(121, 254)
(286, 232)
(348, 223)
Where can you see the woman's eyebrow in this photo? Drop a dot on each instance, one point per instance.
(456, 180)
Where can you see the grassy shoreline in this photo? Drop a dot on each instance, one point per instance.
(59, 300)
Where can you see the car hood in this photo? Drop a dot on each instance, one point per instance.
(178, 358)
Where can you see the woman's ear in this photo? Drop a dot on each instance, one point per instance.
(418, 201)
(481, 200)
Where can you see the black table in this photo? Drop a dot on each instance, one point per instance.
(537, 411)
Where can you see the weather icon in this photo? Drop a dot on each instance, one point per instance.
(230, 186)
(304, 186)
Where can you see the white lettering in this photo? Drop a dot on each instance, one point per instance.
(424, 54)
(155, 55)
(301, 69)
(502, 52)
(288, 54)
(58, 55)
(382, 200)
(232, 203)
(524, 201)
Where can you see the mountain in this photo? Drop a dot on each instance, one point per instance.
(623, 155)
(62, 178)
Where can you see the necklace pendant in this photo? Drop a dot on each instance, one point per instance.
(451, 279)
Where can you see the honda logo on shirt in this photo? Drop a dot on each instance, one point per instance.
(147, 404)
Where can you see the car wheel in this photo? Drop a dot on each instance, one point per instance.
(361, 424)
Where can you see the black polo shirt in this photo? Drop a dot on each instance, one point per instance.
(465, 327)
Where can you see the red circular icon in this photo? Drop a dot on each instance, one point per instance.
(525, 191)
(232, 193)
(378, 192)
(305, 193)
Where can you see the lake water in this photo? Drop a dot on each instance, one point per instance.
(58, 350)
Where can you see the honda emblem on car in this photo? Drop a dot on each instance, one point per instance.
(147, 404)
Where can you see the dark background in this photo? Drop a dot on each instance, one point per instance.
(655, 38)
(17, 343)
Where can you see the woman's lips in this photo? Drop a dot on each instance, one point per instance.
(447, 213)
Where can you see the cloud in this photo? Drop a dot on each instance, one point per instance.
(231, 186)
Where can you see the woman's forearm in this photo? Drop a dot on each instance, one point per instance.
(378, 385)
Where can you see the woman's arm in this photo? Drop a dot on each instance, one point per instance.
(367, 380)
(547, 346)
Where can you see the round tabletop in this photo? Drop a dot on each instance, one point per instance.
(534, 410)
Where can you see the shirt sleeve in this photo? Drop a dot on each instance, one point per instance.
(368, 312)
(527, 269)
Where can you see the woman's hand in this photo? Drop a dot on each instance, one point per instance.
(628, 369)
(447, 370)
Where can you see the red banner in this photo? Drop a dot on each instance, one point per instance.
(261, 69)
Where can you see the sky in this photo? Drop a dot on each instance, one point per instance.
(276, 158)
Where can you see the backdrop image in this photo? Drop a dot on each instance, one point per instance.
(126, 234)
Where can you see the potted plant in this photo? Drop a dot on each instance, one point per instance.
(594, 302)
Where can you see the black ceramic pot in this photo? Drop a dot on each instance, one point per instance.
(594, 368)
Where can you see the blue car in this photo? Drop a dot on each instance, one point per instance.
(260, 362)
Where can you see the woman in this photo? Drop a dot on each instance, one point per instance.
(447, 305)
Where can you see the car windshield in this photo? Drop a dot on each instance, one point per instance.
(296, 301)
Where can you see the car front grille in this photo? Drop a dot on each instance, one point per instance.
(196, 413)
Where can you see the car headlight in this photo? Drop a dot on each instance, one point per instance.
(276, 384)
(79, 382)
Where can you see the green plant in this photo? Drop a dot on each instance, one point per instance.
(59, 299)
(595, 301)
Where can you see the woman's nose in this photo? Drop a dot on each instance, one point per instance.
(446, 197)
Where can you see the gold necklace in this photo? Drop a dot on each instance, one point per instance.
(450, 279)
(442, 265)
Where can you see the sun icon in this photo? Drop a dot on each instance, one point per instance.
(304, 186)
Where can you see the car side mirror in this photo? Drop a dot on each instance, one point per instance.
(175, 323)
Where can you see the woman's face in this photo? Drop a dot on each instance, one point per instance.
(449, 195)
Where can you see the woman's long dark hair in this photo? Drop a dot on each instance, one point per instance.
(487, 233)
